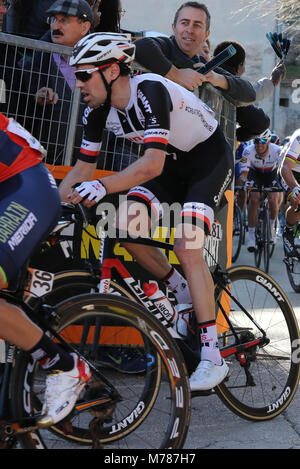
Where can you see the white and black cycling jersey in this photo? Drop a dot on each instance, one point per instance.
(292, 153)
(251, 160)
(160, 114)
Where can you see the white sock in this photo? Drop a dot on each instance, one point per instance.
(251, 233)
(178, 286)
(209, 342)
(272, 223)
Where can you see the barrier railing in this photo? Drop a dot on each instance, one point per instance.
(28, 65)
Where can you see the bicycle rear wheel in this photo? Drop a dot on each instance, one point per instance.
(155, 408)
(293, 272)
(262, 385)
(70, 282)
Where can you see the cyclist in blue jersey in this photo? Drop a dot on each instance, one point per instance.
(29, 208)
(192, 168)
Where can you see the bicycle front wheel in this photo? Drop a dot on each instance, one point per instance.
(262, 384)
(154, 409)
(267, 239)
(237, 235)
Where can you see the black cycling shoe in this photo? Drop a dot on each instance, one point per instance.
(288, 243)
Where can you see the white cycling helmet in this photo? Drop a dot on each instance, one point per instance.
(266, 135)
(103, 49)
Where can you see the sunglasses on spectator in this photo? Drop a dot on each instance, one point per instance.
(261, 140)
(86, 75)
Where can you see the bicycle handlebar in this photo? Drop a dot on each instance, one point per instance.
(266, 189)
(83, 217)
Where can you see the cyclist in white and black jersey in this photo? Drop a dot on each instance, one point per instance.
(146, 119)
(261, 160)
(290, 173)
(187, 160)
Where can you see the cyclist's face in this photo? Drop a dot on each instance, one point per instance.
(262, 148)
(190, 30)
(93, 90)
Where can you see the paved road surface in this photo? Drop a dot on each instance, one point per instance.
(213, 426)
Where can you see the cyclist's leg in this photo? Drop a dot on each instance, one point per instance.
(253, 206)
(202, 202)
(24, 198)
(137, 214)
(23, 225)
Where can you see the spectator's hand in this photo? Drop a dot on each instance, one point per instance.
(214, 78)
(46, 96)
(278, 73)
(188, 78)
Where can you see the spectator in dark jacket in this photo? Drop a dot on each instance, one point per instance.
(27, 18)
(176, 57)
(51, 80)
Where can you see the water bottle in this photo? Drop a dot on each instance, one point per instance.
(161, 302)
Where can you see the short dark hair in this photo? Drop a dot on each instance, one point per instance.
(231, 65)
(198, 5)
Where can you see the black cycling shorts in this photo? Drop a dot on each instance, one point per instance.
(29, 209)
(196, 180)
(263, 179)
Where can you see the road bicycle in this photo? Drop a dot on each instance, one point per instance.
(293, 263)
(263, 237)
(259, 336)
(258, 331)
(149, 410)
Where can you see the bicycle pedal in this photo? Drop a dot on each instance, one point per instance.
(209, 392)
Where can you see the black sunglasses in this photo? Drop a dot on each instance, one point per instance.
(85, 75)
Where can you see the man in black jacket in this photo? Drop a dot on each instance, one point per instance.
(51, 80)
(176, 57)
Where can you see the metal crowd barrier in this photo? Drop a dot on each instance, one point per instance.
(27, 65)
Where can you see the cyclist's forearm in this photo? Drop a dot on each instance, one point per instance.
(146, 168)
(288, 176)
(82, 171)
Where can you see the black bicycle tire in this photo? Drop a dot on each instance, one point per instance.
(264, 413)
(71, 311)
(70, 282)
(272, 246)
(294, 285)
(237, 215)
(267, 239)
(258, 249)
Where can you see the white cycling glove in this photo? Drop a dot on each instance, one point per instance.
(91, 190)
(294, 193)
(248, 185)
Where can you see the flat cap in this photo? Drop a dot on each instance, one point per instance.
(79, 8)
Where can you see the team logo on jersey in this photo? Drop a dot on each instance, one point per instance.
(144, 101)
